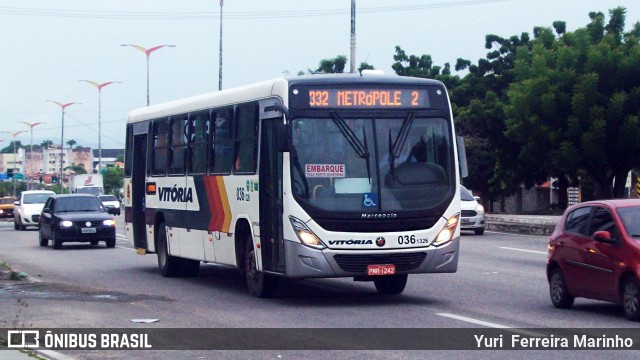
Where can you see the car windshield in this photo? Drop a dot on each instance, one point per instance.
(35, 198)
(465, 195)
(630, 217)
(78, 203)
(341, 163)
(89, 190)
(6, 201)
(107, 198)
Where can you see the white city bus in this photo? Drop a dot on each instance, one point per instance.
(317, 176)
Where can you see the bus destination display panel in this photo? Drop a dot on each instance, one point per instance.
(362, 98)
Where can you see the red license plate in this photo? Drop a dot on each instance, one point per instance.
(376, 270)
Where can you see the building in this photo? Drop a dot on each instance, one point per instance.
(109, 157)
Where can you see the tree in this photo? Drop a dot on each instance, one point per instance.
(331, 66)
(113, 180)
(575, 106)
(46, 143)
(9, 148)
(71, 142)
(365, 66)
(78, 169)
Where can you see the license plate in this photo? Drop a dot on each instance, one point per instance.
(466, 221)
(88, 230)
(377, 270)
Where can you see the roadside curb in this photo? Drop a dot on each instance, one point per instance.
(520, 228)
(522, 224)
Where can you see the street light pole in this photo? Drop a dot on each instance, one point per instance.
(99, 87)
(220, 54)
(13, 179)
(62, 107)
(31, 126)
(147, 52)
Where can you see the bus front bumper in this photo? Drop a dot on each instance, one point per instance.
(305, 262)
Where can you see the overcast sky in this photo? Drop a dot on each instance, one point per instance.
(47, 46)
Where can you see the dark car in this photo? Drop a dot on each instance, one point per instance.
(594, 252)
(76, 218)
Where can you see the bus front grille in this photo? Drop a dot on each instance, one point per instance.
(358, 263)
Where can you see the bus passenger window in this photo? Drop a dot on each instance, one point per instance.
(221, 151)
(160, 149)
(246, 139)
(198, 139)
(178, 144)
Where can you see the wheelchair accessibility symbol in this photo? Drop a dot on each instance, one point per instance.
(370, 200)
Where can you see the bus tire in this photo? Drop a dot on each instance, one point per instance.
(391, 285)
(260, 285)
(169, 265)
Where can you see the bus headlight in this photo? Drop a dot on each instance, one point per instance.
(446, 234)
(109, 223)
(305, 235)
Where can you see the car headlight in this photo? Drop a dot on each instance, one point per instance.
(480, 209)
(446, 234)
(109, 223)
(305, 235)
(66, 223)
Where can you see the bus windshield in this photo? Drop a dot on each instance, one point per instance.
(359, 164)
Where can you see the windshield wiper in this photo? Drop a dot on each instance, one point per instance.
(397, 145)
(403, 134)
(362, 150)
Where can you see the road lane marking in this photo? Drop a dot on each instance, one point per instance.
(523, 250)
(490, 324)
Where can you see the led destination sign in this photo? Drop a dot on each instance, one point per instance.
(368, 98)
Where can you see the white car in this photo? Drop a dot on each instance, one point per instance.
(472, 213)
(27, 210)
(111, 203)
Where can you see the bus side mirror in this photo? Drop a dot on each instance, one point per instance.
(462, 157)
(282, 138)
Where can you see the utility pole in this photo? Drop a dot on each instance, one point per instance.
(353, 36)
(220, 55)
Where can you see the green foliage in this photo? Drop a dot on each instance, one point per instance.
(78, 169)
(9, 148)
(331, 66)
(573, 107)
(113, 180)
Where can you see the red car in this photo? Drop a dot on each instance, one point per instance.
(594, 252)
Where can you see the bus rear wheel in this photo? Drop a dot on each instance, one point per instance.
(169, 265)
(391, 285)
(260, 284)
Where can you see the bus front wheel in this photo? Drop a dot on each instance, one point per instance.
(169, 265)
(260, 284)
(391, 285)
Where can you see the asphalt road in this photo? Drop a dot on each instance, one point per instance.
(500, 282)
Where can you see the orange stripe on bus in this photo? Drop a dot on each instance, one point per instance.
(218, 204)
(224, 201)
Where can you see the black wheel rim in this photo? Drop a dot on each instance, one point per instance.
(630, 300)
(557, 288)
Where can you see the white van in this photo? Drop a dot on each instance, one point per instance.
(27, 210)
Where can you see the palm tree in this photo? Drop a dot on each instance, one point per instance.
(46, 143)
(78, 169)
(71, 142)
